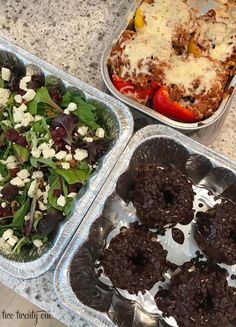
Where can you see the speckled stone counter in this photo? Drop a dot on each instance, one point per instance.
(72, 34)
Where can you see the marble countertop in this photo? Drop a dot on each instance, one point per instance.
(72, 34)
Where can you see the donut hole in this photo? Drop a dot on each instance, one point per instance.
(207, 303)
(232, 235)
(139, 260)
(168, 196)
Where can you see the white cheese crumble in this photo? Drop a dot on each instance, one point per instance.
(17, 182)
(80, 154)
(7, 234)
(72, 195)
(61, 201)
(29, 95)
(37, 243)
(36, 153)
(4, 96)
(18, 98)
(88, 139)
(12, 240)
(6, 74)
(32, 189)
(37, 174)
(23, 174)
(65, 165)
(82, 130)
(60, 155)
(100, 133)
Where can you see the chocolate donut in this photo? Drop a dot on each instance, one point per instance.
(134, 260)
(163, 197)
(198, 296)
(215, 232)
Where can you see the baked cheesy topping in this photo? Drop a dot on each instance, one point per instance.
(192, 57)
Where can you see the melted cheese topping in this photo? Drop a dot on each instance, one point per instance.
(219, 36)
(144, 48)
(164, 16)
(184, 72)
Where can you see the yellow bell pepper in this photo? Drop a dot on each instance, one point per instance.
(194, 49)
(139, 19)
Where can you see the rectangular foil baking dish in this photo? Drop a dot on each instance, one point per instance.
(204, 131)
(119, 120)
(77, 282)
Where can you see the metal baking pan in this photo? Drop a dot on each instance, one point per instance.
(120, 122)
(92, 296)
(204, 131)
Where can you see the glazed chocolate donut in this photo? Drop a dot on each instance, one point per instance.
(134, 260)
(198, 296)
(163, 197)
(215, 232)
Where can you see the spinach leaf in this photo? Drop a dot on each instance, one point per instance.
(86, 112)
(18, 218)
(54, 182)
(73, 176)
(35, 162)
(69, 206)
(21, 152)
(42, 95)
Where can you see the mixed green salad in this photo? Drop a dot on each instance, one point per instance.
(50, 141)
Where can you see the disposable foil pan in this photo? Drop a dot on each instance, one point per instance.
(204, 131)
(76, 281)
(120, 122)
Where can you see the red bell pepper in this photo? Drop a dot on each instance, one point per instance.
(172, 109)
(127, 87)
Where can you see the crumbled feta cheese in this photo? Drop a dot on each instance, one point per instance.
(23, 174)
(80, 154)
(88, 139)
(18, 98)
(66, 112)
(22, 107)
(5, 114)
(4, 245)
(68, 147)
(27, 79)
(38, 117)
(17, 182)
(72, 195)
(6, 74)
(27, 217)
(11, 165)
(48, 153)
(27, 119)
(61, 201)
(10, 159)
(4, 96)
(12, 240)
(32, 189)
(61, 155)
(37, 243)
(36, 153)
(72, 106)
(68, 157)
(29, 95)
(100, 133)
(37, 174)
(43, 146)
(7, 234)
(23, 85)
(3, 205)
(83, 130)
(42, 206)
(65, 165)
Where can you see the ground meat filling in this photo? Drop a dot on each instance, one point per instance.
(134, 260)
(163, 197)
(216, 232)
(198, 296)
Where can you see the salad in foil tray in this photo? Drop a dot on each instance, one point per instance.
(51, 138)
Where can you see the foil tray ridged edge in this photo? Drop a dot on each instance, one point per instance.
(124, 121)
(62, 274)
(221, 112)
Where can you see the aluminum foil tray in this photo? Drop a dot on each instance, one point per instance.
(119, 120)
(204, 131)
(76, 281)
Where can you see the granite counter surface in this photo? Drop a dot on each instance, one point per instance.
(72, 34)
